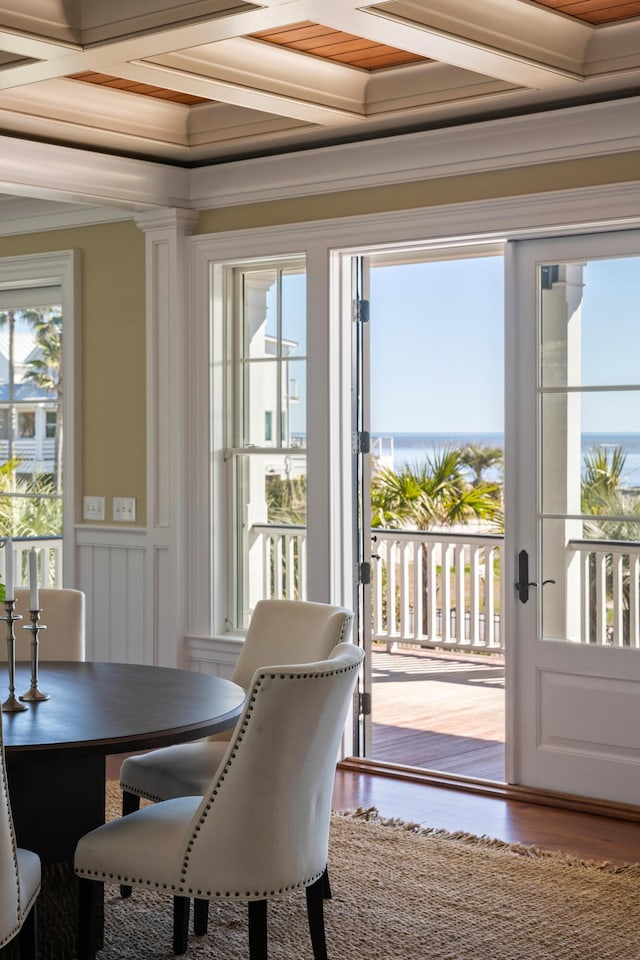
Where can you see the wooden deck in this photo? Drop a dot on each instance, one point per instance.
(439, 711)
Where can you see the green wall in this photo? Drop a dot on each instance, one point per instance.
(112, 355)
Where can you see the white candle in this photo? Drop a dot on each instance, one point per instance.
(8, 569)
(34, 600)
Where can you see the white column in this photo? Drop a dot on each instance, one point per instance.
(165, 587)
(561, 453)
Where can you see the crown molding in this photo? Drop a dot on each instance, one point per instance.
(66, 174)
(562, 134)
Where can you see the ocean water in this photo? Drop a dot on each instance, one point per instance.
(411, 448)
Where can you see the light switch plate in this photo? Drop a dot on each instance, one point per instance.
(93, 508)
(124, 509)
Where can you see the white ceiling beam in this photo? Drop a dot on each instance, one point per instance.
(413, 32)
(33, 47)
(237, 94)
(163, 41)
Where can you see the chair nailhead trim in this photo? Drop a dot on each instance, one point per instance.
(349, 668)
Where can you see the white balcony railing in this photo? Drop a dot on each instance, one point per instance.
(609, 592)
(49, 555)
(437, 590)
(445, 590)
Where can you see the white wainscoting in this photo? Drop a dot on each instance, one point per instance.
(125, 577)
(112, 571)
(216, 656)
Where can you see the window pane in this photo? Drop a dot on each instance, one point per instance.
(31, 394)
(590, 465)
(273, 383)
(591, 323)
(271, 492)
(26, 424)
(260, 313)
(294, 313)
(51, 424)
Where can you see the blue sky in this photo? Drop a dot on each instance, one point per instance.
(437, 345)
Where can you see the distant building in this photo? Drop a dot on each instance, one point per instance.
(28, 413)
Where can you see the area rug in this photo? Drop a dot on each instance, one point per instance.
(402, 891)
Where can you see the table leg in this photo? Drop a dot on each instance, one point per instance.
(66, 802)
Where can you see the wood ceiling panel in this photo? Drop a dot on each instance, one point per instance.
(142, 89)
(595, 11)
(330, 44)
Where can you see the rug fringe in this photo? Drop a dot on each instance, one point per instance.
(372, 815)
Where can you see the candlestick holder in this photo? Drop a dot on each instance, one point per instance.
(34, 694)
(11, 704)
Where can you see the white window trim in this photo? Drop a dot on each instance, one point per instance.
(63, 267)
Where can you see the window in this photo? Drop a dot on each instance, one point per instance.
(26, 424)
(51, 424)
(267, 433)
(30, 409)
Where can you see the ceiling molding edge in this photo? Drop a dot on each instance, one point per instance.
(562, 134)
(68, 174)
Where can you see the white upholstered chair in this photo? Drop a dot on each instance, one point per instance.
(280, 631)
(19, 878)
(63, 614)
(260, 831)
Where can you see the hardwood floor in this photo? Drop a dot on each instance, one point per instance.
(581, 834)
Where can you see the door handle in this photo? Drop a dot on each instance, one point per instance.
(523, 584)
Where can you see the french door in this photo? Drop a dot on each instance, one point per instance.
(573, 513)
(426, 387)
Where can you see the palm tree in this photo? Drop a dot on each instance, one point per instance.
(45, 371)
(480, 457)
(602, 495)
(435, 493)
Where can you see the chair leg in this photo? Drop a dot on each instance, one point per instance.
(200, 917)
(90, 896)
(180, 924)
(257, 930)
(326, 885)
(130, 803)
(315, 915)
(28, 936)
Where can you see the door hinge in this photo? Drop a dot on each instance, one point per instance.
(364, 704)
(361, 442)
(361, 311)
(363, 573)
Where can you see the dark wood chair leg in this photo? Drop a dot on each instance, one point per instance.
(315, 915)
(181, 907)
(130, 803)
(257, 930)
(326, 885)
(200, 917)
(90, 898)
(28, 936)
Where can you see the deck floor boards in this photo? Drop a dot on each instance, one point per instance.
(439, 711)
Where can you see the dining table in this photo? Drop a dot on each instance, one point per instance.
(56, 754)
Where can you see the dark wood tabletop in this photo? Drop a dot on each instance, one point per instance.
(105, 708)
(56, 752)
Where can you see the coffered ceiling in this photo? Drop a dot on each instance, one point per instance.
(195, 82)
